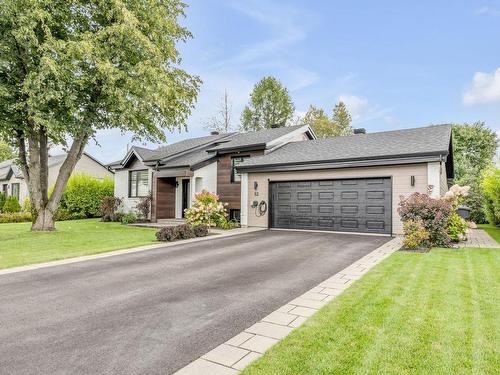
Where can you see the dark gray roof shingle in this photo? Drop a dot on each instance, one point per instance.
(166, 151)
(260, 137)
(407, 142)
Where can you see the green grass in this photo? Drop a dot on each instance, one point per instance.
(492, 230)
(431, 313)
(19, 246)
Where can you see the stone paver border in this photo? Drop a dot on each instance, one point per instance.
(216, 235)
(238, 352)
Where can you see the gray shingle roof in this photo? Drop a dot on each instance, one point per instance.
(398, 143)
(188, 160)
(7, 165)
(261, 137)
(166, 151)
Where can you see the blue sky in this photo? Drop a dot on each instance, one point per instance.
(396, 64)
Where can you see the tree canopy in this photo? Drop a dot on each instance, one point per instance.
(328, 127)
(474, 146)
(6, 151)
(270, 106)
(69, 68)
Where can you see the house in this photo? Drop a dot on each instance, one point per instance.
(351, 183)
(174, 173)
(12, 181)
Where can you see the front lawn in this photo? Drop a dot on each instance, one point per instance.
(19, 246)
(492, 230)
(432, 313)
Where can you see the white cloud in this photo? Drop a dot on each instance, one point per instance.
(362, 110)
(356, 105)
(485, 88)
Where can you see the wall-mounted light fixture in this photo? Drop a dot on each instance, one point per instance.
(412, 180)
(255, 185)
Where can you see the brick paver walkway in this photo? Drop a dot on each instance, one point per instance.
(479, 238)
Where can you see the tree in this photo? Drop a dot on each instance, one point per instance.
(326, 127)
(474, 146)
(342, 119)
(270, 106)
(221, 121)
(70, 68)
(6, 152)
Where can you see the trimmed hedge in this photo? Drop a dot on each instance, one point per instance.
(15, 217)
(83, 195)
(3, 198)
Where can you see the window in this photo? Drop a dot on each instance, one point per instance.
(138, 184)
(15, 190)
(5, 188)
(235, 177)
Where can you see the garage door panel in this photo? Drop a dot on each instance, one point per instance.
(353, 205)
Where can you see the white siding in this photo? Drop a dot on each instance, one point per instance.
(434, 178)
(122, 183)
(401, 185)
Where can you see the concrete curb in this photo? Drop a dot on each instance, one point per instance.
(217, 235)
(238, 352)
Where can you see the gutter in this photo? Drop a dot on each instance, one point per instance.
(338, 164)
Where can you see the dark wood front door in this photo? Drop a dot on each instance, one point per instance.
(185, 195)
(165, 198)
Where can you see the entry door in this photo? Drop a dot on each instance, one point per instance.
(185, 195)
(350, 205)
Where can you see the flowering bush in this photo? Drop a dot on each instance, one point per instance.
(415, 235)
(434, 214)
(206, 209)
(456, 194)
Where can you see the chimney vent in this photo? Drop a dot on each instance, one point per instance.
(360, 131)
(214, 132)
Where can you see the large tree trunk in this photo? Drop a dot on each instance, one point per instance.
(44, 221)
(34, 165)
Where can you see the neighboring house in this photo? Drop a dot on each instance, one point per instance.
(12, 181)
(174, 173)
(351, 183)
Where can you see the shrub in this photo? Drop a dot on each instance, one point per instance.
(434, 214)
(11, 205)
(167, 234)
(64, 215)
(228, 224)
(15, 217)
(415, 235)
(84, 194)
(109, 208)
(26, 205)
(206, 209)
(491, 188)
(201, 230)
(457, 227)
(144, 207)
(129, 218)
(185, 231)
(2, 200)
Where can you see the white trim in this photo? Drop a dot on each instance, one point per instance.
(277, 141)
(434, 178)
(244, 199)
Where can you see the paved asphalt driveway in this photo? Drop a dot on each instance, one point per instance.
(153, 312)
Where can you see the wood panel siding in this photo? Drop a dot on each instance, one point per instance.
(165, 198)
(230, 192)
